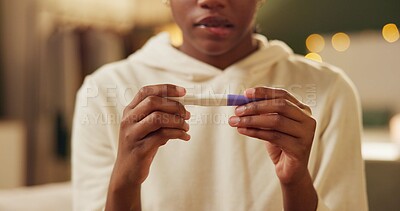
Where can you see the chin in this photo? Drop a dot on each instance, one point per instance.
(214, 49)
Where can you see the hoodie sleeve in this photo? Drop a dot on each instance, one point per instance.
(92, 152)
(339, 176)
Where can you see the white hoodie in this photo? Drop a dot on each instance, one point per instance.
(218, 169)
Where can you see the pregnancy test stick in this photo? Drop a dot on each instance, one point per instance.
(214, 99)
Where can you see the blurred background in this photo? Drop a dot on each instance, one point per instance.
(47, 47)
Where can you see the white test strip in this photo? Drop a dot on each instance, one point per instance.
(214, 99)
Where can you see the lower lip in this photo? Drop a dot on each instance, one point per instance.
(219, 31)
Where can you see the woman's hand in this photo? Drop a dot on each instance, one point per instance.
(287, 127)
(148, 122)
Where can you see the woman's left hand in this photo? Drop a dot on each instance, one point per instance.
(286, 126)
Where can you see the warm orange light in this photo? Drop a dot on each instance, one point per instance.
(174, 32)
(395, 128)
(390, 32)
(341, 41)
(314, 56)
(315, 43)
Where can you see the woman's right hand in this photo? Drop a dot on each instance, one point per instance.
(148, 122)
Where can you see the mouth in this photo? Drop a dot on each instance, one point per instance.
(214, 22)
(216, 26)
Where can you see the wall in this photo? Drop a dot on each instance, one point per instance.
(292, 20)
(374, 66)
(12, 154)
(44, 65)
(16, 24)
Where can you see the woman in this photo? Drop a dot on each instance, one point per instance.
(299, 149)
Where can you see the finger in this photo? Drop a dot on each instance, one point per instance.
(287, 143)
(280, 106)
(274, 93)
(155, 121)
(156, 103)
(160, 137)
(161, 90)
(271, 121)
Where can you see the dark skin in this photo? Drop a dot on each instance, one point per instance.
(218, 51)
(286, 126)
(150, 120)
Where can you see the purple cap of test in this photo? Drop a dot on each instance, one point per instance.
(237, 100)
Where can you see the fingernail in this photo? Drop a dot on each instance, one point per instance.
(250, 91)
(234, 120)
(180, 90)
(187, 137)
(240, 109)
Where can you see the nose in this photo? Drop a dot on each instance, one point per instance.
(212, 4)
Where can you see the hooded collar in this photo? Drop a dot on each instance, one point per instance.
(159, 54)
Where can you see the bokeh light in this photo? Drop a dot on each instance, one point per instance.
(174, 32)
(314, 56)
(315, 43)
(390, 32)
(341, 41)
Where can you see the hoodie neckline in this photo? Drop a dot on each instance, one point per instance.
(158, 53)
